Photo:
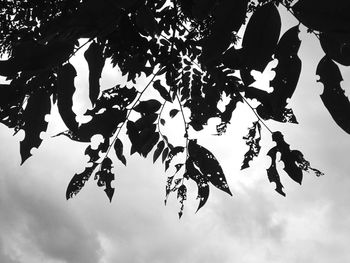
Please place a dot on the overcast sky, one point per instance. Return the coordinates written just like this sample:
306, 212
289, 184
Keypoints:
311, 224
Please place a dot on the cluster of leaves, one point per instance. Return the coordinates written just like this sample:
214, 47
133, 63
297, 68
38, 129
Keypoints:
194, 57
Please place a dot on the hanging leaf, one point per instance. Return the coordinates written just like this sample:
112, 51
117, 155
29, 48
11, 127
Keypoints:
165, 154
162, 90
336, 46
273, 105
118, 148
202, 182
208, 165
253, 141
65, 91
105, 177
294, 163
78, 181
272, 173
182, 196
38, 106
261, 36
323, 15
94, 58
333, 96
158, 151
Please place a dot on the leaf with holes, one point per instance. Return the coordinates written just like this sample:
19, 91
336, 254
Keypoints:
78, 181
94, 58
208, 165
253, 141
333, 96
105, 177
202, 182
272, 173
38, 106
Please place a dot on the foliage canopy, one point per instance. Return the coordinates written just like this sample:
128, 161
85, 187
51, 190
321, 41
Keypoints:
193, 52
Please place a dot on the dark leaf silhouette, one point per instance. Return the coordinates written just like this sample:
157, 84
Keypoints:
173, 113
323, 15
65, 91
273, 105
253, 141
118, 148
208, 165
294, 163
333, 96
38, 106
260, 39
96, 61
182, 196
336, 46
78, 181
272, 173
147, 107
162, 90
202, 182
105, 177
158, 150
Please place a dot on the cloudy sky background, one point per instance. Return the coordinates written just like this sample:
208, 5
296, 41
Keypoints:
311, 224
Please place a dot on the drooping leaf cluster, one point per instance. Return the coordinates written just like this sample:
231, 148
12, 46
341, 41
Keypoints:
193, 55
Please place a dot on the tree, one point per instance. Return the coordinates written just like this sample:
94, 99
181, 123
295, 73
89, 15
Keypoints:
192, 53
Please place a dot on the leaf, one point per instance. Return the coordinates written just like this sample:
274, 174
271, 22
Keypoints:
173, 113
96, 61
165, 154
261, 36
65, 91
158, 151
336, 46
78, 181
208, 165
162, 90
147, 107
182, 195
323, 15
333, 96
288, 68
118, 148
202, 182
105, 177
273, 105
38, 106
253, 141
272, 173
288, 158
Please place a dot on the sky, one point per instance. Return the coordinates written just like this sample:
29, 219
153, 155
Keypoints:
311, 224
